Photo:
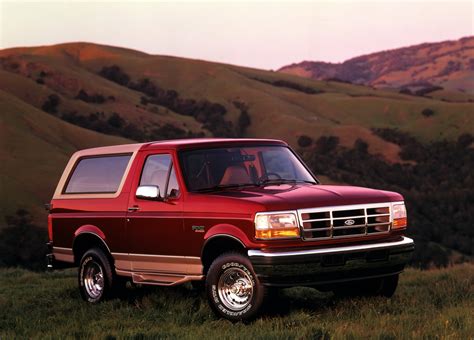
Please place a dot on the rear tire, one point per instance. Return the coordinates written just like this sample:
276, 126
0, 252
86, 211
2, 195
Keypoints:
96, 276
233, 289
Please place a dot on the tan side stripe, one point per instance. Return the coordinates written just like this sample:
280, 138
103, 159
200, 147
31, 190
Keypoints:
189, 265
63, 254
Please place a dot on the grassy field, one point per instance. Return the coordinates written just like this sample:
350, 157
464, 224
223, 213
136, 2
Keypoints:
429, 304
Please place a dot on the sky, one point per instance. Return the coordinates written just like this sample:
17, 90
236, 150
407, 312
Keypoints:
265, 34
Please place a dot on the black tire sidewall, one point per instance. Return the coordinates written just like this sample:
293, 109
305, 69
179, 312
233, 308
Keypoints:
96, 255
390, 285
385, 286
221, 264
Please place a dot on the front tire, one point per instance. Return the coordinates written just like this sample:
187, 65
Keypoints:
233, 289
95, 276
385, 286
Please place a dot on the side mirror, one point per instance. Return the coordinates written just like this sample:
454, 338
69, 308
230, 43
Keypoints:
148, 192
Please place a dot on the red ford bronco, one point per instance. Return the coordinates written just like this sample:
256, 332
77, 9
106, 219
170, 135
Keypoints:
242, 215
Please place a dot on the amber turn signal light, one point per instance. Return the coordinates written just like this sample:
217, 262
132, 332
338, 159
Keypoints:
276, 225
400, 223
276, 233
399, 214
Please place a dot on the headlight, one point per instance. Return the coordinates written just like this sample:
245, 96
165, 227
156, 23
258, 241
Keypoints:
276, 225
399, 216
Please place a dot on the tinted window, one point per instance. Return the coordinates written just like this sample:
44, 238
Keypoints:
247, 165
97, 175
173, 188
155, 172
277, 162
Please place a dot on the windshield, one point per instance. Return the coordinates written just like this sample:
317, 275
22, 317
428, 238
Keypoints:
210, 169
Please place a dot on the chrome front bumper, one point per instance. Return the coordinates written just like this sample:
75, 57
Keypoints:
331, 264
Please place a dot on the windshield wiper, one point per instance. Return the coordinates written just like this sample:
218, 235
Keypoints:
282, 181
221, 187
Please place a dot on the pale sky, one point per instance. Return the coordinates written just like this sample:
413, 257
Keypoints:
265, 34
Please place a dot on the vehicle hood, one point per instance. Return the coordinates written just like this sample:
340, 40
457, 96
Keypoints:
300, 196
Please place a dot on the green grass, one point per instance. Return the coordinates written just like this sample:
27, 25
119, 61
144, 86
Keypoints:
429, 304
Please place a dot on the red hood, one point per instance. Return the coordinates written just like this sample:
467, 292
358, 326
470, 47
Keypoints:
291, 197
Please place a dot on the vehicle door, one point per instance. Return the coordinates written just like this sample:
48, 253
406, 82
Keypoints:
155, 225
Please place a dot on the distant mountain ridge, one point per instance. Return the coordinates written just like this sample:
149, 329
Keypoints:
448, 64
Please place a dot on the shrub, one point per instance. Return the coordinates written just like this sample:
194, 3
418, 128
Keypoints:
22, 243
361, 146
144, 100
95, 98
51, 103
116, 121
326, 144
338, 80
305, 141
145, 86
244, 120
428, 89
168, 131
427, 112
290, 85
243, 123
114, 73
465, 140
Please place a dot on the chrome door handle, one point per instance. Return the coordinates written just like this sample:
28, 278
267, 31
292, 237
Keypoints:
133, 208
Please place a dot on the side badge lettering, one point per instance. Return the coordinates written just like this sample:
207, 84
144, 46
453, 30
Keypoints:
198, 228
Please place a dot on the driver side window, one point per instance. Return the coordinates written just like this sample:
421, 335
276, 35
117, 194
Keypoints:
158, 170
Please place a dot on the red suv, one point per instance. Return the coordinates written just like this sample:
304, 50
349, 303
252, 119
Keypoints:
241, 215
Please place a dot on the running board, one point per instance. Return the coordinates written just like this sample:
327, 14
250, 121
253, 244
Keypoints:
159, 279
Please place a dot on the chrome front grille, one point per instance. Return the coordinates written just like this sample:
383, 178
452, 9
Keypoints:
345, 221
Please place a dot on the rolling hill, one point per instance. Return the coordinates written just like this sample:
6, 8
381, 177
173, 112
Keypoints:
35, 148
121, 93
448, 65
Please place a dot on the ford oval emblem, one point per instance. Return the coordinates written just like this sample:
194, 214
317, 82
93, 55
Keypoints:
349, 222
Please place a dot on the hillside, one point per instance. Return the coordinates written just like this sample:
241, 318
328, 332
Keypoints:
447, 64
57, 99
69, 73
292, 106
427, 304
34, 150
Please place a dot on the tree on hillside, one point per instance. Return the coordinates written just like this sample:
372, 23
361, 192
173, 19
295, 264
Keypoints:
51, 103
114, 73
22, 243
304, 141
427, 112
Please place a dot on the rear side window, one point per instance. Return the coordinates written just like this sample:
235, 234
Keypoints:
97, 175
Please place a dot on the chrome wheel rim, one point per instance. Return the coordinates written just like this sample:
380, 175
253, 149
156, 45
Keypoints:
235, 289
93, 279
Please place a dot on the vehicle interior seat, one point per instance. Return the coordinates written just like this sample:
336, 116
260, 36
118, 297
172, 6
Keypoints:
235, 174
